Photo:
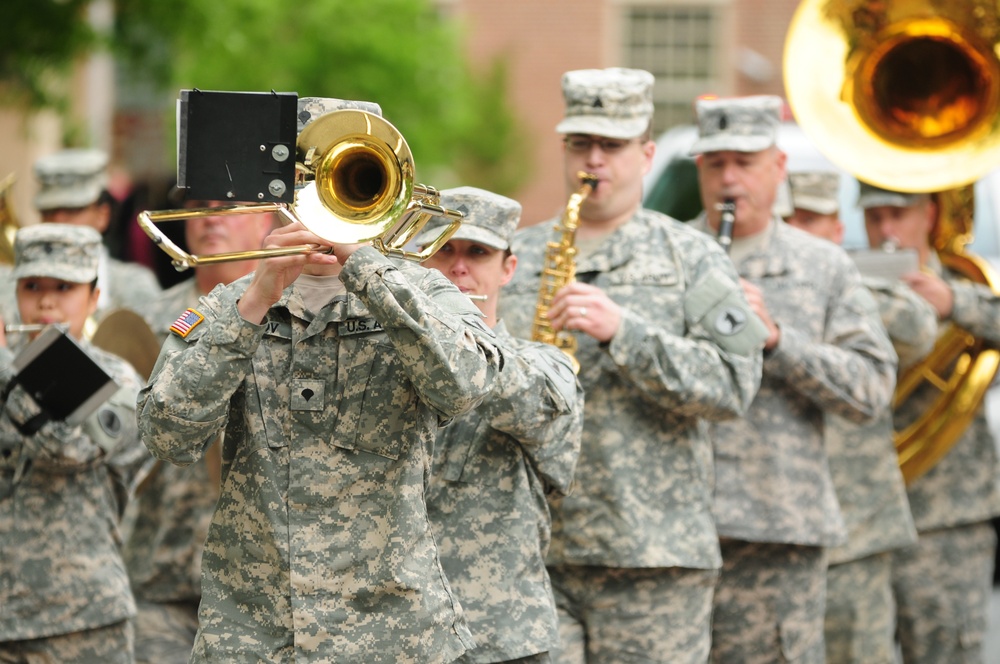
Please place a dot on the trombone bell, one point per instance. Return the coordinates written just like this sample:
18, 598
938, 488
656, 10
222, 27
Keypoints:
354, 185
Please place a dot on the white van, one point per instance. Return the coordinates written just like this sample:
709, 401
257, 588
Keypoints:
671, 187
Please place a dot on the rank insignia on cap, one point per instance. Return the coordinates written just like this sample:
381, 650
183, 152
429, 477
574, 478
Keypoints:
186, 322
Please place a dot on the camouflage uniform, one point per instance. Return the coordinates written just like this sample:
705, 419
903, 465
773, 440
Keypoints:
487, 504
775, 503
641, 510
125, 285
319, 548
942, 583
859, 624
64, 591
170, 519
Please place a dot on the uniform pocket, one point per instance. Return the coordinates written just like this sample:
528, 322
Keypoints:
377, 406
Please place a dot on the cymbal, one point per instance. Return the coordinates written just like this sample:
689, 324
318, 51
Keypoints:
126, 334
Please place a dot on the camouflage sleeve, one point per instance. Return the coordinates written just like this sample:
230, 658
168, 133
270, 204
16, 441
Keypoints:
852, 371
185, 404
710, 367
977, 309
539, 402
909, 319
451, 357
110, 435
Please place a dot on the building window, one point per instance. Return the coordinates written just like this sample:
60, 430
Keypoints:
678, 44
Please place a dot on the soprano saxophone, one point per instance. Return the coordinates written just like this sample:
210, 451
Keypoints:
559, 269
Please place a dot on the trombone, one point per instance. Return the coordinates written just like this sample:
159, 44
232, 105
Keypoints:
353, 184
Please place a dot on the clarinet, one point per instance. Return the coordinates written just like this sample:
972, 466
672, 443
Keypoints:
726, 223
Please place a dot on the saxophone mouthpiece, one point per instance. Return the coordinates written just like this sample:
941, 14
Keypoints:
588, 179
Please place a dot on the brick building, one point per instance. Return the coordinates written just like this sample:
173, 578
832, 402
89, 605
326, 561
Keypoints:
728, 47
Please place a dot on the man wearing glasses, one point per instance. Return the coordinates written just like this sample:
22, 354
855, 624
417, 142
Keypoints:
666, 341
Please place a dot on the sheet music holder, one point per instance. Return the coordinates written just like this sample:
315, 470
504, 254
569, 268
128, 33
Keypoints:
62, 379
888, 265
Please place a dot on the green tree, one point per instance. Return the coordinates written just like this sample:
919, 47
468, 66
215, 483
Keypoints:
42, 39
399, 53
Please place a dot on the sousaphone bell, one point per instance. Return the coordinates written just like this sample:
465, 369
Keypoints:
905, 94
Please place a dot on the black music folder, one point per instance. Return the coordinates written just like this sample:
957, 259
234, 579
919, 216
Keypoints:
62, 379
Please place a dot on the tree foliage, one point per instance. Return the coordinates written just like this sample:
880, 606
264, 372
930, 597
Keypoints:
399, 53
41, 40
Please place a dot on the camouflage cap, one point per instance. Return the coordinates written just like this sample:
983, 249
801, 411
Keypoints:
71, 178
490, 219
615, 102
310, 108
815, 191
743, 124
61, 251
870, 196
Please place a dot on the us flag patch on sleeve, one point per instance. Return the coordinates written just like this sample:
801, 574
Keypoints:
186, 322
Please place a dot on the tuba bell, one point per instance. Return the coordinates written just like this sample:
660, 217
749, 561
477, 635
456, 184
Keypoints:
905, 94
354, 183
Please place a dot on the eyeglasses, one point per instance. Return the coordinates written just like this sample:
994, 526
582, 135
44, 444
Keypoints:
581, 143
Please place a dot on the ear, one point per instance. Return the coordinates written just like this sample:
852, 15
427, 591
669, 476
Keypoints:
648, 151
103, 219
509, 265
95, 295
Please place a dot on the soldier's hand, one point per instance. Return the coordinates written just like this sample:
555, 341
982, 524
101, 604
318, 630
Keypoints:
274, 275
756, 300
934, 289
585, 308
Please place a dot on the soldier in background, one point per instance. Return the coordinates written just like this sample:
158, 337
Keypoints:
665, 343
64, 591
860, 619
942, 583
494, 467
174, 506
73, 191
826, 353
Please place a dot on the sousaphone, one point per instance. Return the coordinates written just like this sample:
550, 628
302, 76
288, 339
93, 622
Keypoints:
905, 94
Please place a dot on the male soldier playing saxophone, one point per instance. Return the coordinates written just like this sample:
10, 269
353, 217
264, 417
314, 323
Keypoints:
664, 344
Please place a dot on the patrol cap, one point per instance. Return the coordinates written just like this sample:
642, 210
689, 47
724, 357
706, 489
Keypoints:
68, 252
310, 108
490, 219
870, 196
72, 178
743, 124
615, 102
815, 191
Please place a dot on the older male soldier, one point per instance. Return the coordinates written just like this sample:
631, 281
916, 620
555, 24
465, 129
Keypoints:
826, 353
942, 583
72, 191
494, 466
665, 342
860, 614
174, 506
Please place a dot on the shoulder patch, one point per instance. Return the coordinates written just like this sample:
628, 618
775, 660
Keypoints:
186, 322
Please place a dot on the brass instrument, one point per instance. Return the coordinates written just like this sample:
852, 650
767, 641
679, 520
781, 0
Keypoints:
8, 221
904, 94
354, 184
559, 269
